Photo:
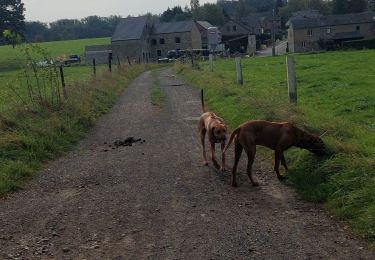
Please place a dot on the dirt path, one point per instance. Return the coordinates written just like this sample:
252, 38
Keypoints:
155, 200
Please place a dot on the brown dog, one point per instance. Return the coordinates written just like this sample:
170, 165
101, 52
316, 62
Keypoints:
277, 136
216, 131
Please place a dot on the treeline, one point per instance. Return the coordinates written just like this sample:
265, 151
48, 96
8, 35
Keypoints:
71, 29
215, 13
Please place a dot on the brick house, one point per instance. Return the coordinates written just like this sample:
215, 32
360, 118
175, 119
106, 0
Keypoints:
312, 32
140, 39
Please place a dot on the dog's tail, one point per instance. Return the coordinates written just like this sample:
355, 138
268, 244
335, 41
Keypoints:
235, 132
202, 100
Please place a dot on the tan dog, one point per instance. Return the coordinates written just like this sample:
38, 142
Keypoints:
277, 136
216, 131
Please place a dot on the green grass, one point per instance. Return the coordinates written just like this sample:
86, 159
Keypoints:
335, 94
33, 133
31, 137
157, 95
12, 60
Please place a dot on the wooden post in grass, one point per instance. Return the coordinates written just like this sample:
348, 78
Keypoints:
192, 59
211, 62
62, 80
118, 63
94, 66
128, 60
239, 70
110, 62
292, 83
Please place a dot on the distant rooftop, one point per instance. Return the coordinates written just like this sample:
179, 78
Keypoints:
130, 28
299, 22
173, 27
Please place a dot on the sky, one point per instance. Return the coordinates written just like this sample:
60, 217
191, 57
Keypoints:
52, 10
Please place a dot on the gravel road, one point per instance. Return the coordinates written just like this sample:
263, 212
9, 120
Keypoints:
154, 199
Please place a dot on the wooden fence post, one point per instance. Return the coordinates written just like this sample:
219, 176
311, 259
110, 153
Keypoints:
128, 60
239, 70
192, 59
118, 62
211, 62
62, 80
94, 66
292, 83
110, 62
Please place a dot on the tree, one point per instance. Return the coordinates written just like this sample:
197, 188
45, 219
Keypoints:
211, 13
348, 6
242, 9
35, 31
278, 5
12, 19
194, 5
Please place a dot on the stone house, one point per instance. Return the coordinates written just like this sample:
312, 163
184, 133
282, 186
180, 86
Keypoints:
141, 40
317, 32
174, 36
203, 29
132, 38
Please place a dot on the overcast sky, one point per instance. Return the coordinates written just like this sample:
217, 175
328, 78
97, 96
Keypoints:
52, 10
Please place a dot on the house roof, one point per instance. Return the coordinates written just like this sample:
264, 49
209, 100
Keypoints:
130, 28
173, 27
204, 24
347, 35
331, 20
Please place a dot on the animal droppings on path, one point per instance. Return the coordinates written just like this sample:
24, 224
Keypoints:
126, 142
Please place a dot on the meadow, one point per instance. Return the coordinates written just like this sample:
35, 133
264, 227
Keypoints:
336, 97
12, 62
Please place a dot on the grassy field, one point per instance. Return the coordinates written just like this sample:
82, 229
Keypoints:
12, 60
336, 95
38, 127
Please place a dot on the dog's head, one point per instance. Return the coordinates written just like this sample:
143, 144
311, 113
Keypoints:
219, 133
313, 143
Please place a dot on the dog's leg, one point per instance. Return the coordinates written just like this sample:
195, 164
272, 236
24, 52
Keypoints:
250, 160
213, 157
203, 137
283, 162
278, 155
222, 157
237, 155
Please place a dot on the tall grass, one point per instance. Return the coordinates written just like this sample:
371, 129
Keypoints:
336, 95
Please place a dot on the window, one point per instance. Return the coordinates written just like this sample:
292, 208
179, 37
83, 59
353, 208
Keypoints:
178, 40
161, 41
358, 27
309, 32
153, 41
159, 53
303, 44
234, 28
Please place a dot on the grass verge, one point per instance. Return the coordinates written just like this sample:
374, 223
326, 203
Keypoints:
30, 137
337, 95
157, 95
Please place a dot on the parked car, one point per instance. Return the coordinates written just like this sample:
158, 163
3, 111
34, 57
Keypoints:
72, 59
